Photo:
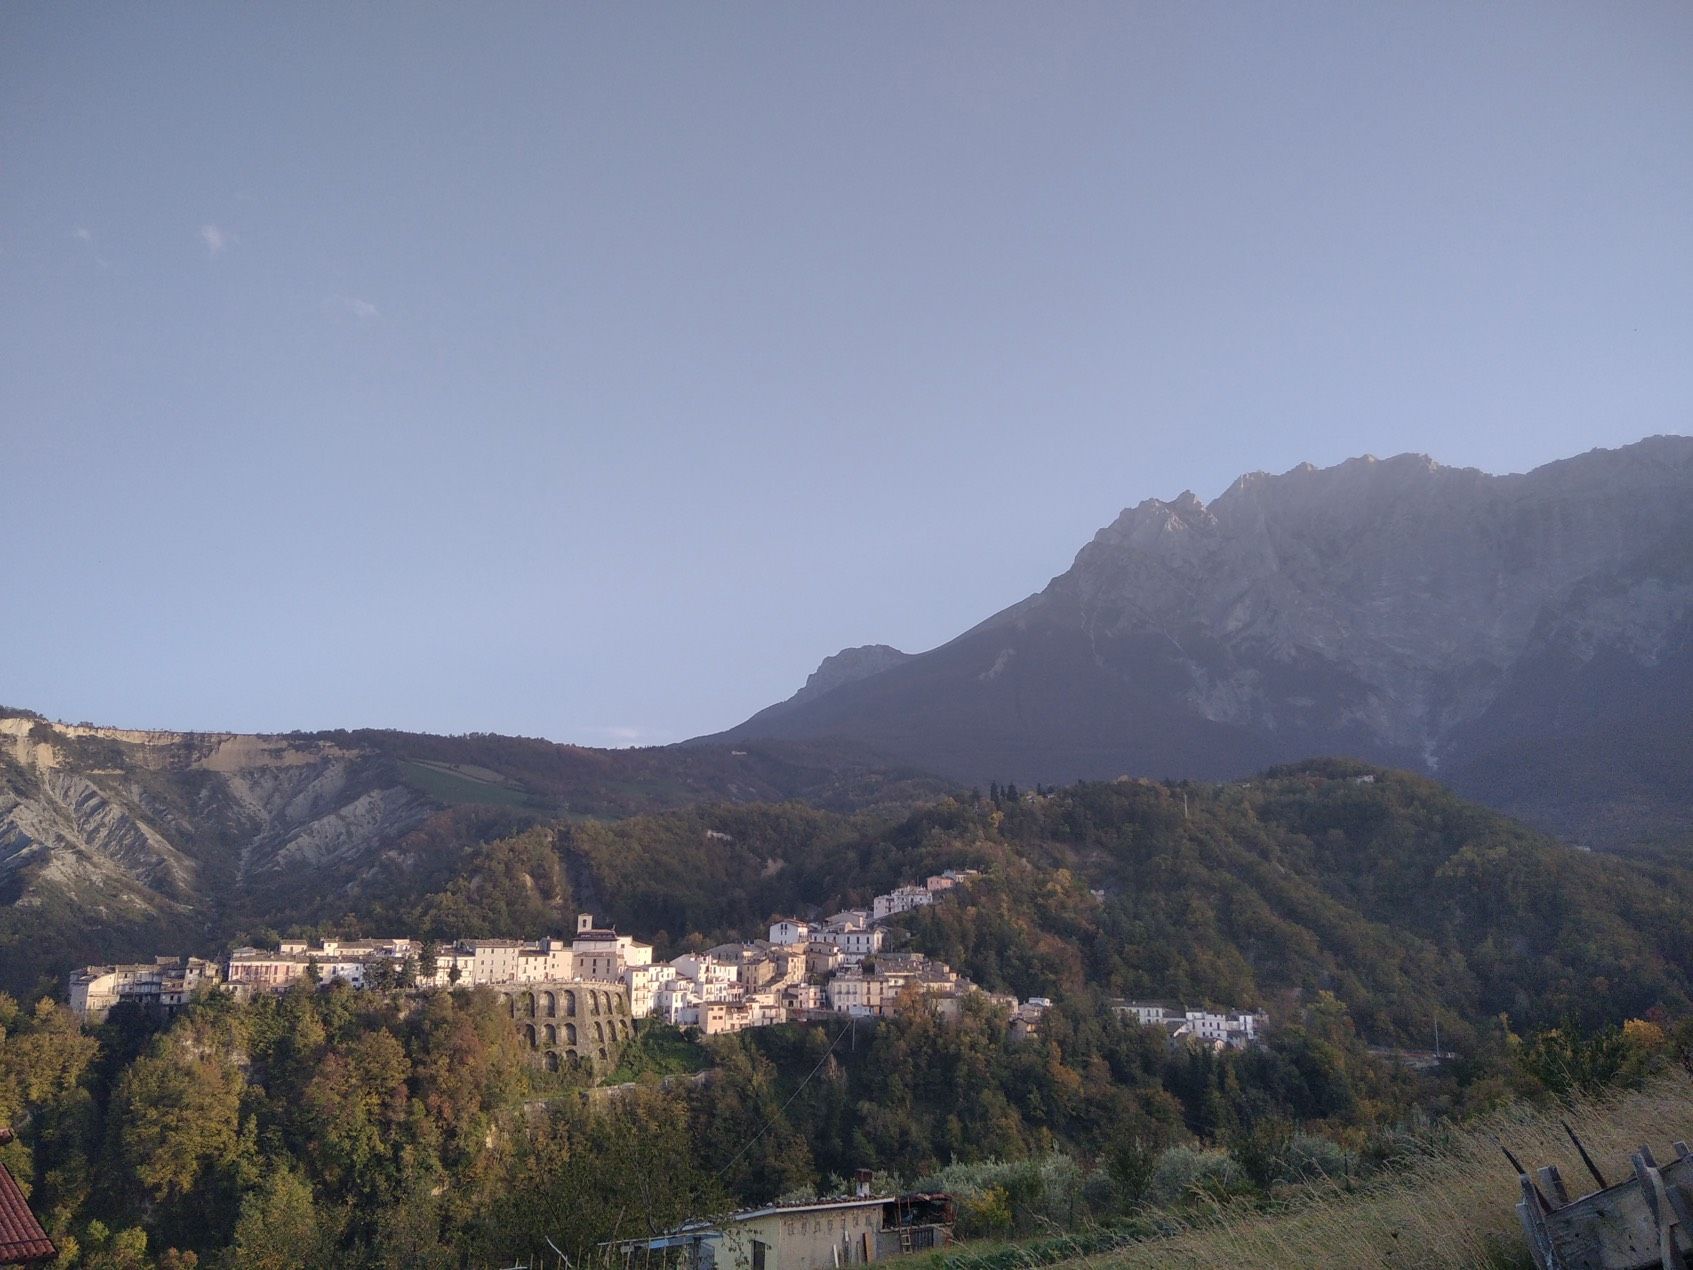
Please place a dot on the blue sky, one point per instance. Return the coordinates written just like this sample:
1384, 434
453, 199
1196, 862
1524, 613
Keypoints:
593, 371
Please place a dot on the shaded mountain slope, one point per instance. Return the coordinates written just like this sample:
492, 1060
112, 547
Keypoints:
1502, 631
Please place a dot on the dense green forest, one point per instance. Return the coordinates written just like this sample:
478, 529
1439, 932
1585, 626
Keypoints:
1356, 906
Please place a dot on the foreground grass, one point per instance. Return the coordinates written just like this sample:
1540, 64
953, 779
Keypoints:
1451, 1206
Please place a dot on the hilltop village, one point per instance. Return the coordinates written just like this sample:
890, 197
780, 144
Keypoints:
574, 1002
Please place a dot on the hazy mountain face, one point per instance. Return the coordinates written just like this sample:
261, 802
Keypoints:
1526, 637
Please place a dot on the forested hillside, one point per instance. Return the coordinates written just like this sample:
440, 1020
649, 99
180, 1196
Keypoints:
1356, 905
1406, 902
1403, 900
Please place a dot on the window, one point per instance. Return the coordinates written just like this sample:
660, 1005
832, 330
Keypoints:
758, 1254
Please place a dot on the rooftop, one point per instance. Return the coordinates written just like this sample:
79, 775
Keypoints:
21, 1238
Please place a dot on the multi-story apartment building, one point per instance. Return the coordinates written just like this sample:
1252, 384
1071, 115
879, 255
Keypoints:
601, 953
704, 969
855, 942
165, 983
856, 993
644, 983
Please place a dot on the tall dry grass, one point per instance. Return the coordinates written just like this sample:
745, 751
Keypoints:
1455, 1206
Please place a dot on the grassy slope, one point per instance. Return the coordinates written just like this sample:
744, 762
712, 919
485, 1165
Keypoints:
1455, 1207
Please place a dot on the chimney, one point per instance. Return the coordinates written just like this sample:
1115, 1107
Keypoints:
861, 1187
584, 921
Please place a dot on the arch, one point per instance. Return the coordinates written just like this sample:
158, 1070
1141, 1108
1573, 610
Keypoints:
550, 1032
569, 1004
529, 1004
511, 1005
617, 1004
570, 1034
575, 1061
529, 1035
593, 1001
549, 1003
602, 1055
551, 1060
599, 1031
625, 1027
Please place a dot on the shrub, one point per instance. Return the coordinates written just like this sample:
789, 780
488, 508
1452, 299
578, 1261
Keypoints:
1038, 1194
1185, 1173
1310, 1159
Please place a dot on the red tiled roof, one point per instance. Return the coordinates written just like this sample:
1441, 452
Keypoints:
21, 1237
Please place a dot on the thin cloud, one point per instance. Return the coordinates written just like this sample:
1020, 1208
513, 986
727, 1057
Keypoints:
355, 307
217, 240
620, 736
83, 234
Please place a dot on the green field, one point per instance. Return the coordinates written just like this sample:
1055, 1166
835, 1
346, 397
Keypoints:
454, 787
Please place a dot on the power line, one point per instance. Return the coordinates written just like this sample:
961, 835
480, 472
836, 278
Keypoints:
768, 1123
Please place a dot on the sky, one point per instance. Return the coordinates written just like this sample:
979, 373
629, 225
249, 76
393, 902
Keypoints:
593, 371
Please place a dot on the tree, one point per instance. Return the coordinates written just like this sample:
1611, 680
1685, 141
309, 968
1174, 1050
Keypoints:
280, 1227
176, 1119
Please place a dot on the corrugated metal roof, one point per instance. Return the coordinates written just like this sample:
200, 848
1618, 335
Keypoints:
21, 1238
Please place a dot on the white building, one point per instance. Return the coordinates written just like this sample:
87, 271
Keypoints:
1235, 1029
855, 942
765, 1009
790, 930
704, 969
644, 983
673, 999
546, 959
804, 996
902, 899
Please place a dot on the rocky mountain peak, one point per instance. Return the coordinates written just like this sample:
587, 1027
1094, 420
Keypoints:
1393, 608
848, 666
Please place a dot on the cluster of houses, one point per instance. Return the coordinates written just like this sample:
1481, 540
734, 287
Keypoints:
1229, 1029
574, 1001
748, 980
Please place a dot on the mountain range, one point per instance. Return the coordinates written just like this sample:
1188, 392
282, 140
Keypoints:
1528, 639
